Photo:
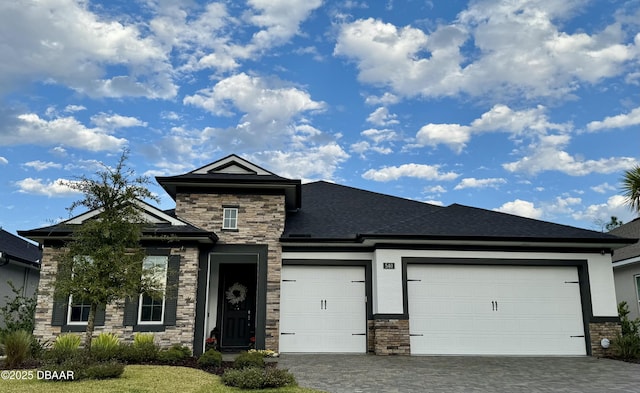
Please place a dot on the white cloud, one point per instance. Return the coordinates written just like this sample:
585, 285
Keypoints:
520, 208
562, 205
65, 42
603, 188
3, 161
318, 162
66, 131
614, 206
435, 189
548, 155
41, 165
419, 171
112, 122
74, 108
280, 19
382, 117
434, 202
630, 119
385, 99
471, 182
453, 135
55, 188
505, 39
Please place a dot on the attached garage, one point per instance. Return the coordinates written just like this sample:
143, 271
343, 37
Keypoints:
495, 310
323, 309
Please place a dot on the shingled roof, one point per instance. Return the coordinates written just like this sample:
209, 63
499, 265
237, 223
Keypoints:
18, 249
628, 230
332, 211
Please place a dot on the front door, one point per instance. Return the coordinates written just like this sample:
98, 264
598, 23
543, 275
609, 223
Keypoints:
237, 305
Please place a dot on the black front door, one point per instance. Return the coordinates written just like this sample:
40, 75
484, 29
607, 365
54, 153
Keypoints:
238, 305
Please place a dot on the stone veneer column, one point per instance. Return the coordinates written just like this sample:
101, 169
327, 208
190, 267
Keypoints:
260, 222
600, 330
391, 337
43, 330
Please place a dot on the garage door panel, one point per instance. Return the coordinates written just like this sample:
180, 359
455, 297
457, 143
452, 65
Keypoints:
322, 309
461, 309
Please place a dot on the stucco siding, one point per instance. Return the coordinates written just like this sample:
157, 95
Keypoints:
626, 288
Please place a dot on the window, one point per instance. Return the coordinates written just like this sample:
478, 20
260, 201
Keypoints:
230, 218
151, 305
78, 312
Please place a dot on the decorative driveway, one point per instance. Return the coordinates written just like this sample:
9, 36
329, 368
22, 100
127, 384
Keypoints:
369, 373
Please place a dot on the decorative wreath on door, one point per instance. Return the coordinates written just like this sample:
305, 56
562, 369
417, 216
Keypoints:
236, 293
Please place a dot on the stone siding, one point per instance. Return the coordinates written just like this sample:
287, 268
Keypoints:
181, 333
391, 337
260, 222
600, 330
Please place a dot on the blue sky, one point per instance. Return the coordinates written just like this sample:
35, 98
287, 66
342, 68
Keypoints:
526, 107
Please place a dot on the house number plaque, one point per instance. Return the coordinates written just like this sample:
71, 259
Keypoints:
388, 265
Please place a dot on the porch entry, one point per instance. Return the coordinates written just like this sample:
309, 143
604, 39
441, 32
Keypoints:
237, 305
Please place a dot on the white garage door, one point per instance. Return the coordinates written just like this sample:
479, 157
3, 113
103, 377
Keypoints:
495, 310
323, 309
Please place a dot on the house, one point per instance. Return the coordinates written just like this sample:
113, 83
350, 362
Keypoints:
253, 258
20, 264
626, 268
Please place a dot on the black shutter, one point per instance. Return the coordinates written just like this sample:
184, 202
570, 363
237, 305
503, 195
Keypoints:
171, 299
59, 315
100, 315
130, 311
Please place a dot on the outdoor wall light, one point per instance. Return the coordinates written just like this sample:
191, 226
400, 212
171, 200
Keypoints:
605, 343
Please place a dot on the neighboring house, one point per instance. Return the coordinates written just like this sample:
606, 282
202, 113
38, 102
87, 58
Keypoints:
20, 264
626, 268
257, 259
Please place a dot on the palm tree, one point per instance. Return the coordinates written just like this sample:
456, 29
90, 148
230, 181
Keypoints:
631, 188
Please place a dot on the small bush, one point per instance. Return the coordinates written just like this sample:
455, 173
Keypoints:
138, 353
257, 378
17, 346
105, 347
176, 354
249, 359
143, 339
210, 358
104, 370
275, 378
248, 378
67, 341
626, 347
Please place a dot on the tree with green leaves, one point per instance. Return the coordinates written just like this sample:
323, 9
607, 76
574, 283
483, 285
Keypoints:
103, 261
631, 188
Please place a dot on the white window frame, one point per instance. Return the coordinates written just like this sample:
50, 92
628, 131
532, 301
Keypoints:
229, 222
162, 278
69, 309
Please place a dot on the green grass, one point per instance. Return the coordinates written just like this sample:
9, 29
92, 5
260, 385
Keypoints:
141, 379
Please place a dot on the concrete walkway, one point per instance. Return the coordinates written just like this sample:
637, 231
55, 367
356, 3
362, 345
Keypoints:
369, 373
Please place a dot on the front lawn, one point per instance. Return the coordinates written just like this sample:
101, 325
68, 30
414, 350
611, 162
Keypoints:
141, 379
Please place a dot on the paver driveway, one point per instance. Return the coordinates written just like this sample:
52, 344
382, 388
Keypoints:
369, 373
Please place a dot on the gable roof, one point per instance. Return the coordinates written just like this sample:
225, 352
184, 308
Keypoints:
18, 249
233, 173
157, 223
335, 212
628, 230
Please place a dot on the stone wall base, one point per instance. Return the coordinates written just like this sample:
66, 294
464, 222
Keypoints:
600, 330
390, 336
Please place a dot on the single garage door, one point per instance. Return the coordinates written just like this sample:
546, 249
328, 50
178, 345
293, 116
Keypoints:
495, 310
323, 309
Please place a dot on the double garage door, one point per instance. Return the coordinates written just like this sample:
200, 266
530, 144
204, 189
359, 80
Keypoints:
323, 309
495, 310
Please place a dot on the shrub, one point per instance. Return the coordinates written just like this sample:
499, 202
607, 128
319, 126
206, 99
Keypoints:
249, 359
248, 378
275, 378
105, 347
257, 378
175, 354
143, 339
626, 347
18, 312
104, 370
65, 346
138, 353
83, 365
67, 341
17, 346
210, 358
